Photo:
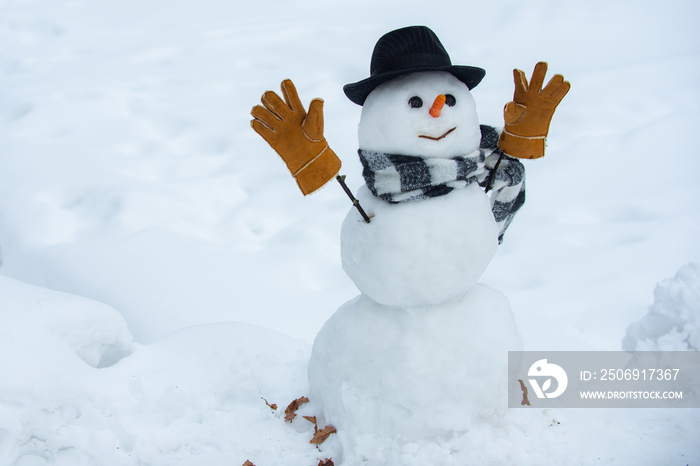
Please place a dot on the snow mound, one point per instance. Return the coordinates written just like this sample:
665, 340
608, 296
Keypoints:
76, 391
55, 323
673, 321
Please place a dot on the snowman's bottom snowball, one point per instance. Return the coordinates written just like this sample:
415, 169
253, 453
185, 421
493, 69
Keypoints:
420, 252
414, 374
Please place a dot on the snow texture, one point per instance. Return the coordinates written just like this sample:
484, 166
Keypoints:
193, 397
673, 321
129, 176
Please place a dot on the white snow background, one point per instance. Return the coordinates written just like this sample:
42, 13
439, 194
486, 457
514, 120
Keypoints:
193, 276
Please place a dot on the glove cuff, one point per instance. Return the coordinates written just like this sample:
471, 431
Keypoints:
318, 171
522, 147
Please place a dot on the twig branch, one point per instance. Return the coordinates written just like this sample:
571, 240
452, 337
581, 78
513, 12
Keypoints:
492, 175
355, 202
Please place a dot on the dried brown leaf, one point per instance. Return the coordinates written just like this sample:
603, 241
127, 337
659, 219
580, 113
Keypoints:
322, 435
312, 420
525, 401
326, 462
248, 463
273, 406
291, 411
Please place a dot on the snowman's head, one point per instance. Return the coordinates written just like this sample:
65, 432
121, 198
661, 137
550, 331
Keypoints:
402, 116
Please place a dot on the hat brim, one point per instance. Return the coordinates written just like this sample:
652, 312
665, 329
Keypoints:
358, 92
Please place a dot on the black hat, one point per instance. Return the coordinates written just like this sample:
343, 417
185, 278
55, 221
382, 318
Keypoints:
414, 48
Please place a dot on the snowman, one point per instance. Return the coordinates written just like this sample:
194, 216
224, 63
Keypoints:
421, 354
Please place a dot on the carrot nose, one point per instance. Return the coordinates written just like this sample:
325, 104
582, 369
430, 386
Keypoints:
437, 106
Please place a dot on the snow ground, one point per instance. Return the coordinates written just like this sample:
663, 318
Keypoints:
129, 176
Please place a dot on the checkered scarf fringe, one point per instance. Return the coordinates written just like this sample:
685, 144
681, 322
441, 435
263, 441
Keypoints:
398, 178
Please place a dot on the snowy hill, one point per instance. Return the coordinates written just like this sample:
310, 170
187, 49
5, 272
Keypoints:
191, 277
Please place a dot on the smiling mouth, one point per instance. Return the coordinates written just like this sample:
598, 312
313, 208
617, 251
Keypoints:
439, 137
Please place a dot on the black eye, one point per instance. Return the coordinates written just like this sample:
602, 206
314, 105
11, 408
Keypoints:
415, 102
450, 100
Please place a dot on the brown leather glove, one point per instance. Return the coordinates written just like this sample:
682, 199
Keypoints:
296, 136
528, 116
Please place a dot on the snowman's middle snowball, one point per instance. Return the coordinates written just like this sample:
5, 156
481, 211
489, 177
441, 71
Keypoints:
419, 253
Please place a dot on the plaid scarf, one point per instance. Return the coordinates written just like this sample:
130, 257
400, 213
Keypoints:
398, 178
